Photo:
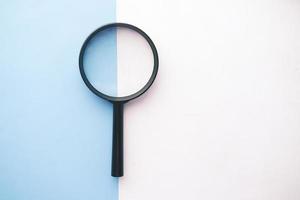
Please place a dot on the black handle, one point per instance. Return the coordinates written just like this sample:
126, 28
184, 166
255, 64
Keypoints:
117, 145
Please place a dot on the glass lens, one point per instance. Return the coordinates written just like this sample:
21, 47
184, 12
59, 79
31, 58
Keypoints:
118, 62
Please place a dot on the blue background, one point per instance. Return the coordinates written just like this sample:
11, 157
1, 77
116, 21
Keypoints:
55, 135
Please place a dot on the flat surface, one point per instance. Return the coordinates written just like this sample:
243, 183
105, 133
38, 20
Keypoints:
55, 135
220, 122
222, 119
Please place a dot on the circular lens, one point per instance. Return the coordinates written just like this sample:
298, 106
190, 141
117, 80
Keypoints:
118, 61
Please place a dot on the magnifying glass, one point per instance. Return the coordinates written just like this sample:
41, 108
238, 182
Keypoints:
118, 62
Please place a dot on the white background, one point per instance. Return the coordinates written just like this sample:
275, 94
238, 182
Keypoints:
222, 119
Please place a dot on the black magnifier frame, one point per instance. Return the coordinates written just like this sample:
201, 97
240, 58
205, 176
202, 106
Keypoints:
117, 169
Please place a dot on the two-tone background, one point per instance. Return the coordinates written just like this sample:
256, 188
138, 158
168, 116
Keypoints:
220, 122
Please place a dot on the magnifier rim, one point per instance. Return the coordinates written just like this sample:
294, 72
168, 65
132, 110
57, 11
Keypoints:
128, 97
